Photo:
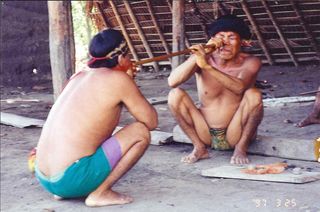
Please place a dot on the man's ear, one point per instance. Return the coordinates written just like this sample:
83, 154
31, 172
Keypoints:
120, 59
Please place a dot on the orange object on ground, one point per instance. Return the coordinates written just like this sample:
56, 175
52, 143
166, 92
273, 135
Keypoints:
317, 149
274, 168
32, 159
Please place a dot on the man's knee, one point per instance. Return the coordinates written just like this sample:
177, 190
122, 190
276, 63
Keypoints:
253, 96
175, 96
142, 132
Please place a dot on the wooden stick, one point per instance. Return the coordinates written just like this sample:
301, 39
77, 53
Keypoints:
163, 57
310, 92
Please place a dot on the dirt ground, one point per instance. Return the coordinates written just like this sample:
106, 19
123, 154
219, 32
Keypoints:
159, 182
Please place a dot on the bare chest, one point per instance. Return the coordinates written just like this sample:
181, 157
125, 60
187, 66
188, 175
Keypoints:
206, 81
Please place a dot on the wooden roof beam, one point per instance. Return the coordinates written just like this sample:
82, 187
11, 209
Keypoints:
169, 4
222, 7
141, 34
305, 27
256, 31
124, 31
157, 26
202, 20
283, 39
104, 18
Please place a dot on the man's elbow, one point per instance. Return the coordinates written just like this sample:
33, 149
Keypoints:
153, 123
172, 83
240, 89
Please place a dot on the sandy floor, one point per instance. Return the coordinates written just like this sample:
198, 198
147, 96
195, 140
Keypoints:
159, 181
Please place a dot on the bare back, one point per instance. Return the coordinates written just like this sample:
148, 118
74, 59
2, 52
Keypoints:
84, 115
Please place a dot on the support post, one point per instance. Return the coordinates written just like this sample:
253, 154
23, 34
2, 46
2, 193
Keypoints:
61, 44
178, 33
186, 40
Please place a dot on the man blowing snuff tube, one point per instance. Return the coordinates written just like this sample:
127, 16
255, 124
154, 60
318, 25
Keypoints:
77, 155
230, 107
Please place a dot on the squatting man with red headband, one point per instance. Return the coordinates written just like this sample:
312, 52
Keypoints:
230, 107
77, 155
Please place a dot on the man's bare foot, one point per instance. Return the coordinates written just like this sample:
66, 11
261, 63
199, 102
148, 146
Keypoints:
239, 157
195, 155
109, 197
308, 121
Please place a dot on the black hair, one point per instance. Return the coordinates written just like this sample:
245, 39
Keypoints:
101, 45
232, 23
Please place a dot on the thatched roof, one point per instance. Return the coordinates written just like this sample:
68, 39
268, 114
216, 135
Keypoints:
284, 31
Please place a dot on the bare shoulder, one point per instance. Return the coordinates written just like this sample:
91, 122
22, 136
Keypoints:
251, 62
113, 78
110, 83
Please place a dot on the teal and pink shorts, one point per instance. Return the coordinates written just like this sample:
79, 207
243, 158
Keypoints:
84, 175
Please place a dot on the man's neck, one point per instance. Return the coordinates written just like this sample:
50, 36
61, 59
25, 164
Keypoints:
227, 63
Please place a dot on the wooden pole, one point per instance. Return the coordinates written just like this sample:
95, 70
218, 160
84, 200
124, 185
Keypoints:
310, 92
61, 44
187, 42
283, 39
156, 25
124, 31
256, 31
178, 32
141, 34
87, 23
173, 54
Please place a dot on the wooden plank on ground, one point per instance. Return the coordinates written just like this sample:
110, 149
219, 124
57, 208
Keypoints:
234, 172
273, 102
158, 100
301, 149
180, 136
157, 137
20, 121
10, 101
